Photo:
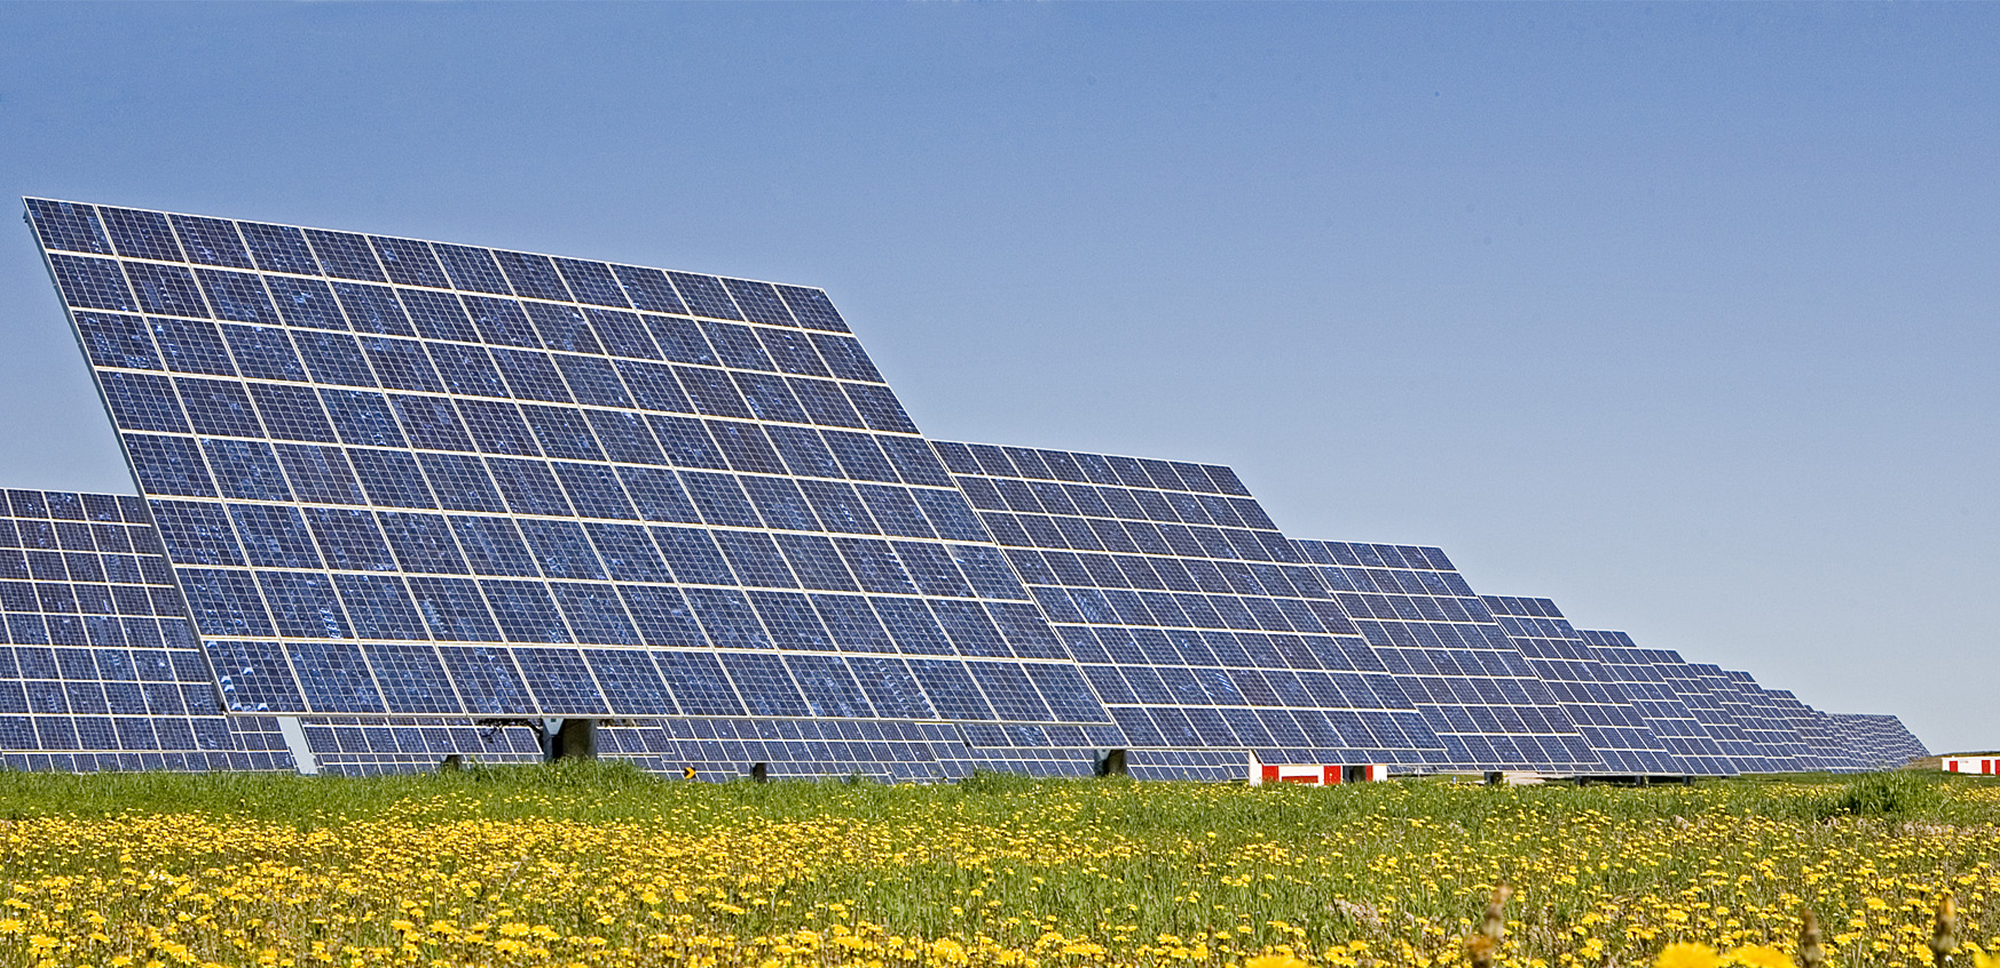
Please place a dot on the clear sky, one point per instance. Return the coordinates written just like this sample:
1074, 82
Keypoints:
1682, 316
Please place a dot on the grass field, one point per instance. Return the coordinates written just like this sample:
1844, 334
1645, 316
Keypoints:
597, 865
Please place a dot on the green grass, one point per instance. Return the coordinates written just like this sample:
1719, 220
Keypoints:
1407, 862
612, 791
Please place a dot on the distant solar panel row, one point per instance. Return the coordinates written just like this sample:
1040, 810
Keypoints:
405, 500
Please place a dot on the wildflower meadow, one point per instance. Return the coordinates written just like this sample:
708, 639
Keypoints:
600, 865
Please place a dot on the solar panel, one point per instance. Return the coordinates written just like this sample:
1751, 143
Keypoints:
1878, 742
1469, 680
1663, 710
1823, 751
1593, 697
1775, 730
1197, 623
98, 667
396, 477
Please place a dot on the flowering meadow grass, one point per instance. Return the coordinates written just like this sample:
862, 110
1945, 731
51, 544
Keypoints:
600, 865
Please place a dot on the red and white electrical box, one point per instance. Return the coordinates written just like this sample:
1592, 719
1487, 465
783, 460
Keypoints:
1315, 774
1980, 763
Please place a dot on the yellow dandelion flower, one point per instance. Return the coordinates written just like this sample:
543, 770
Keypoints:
1275, 961
1760, 956
1683, 954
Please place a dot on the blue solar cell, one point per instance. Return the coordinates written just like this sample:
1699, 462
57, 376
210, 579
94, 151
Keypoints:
461, 482
403, 365
563, 433
726, 615
829, 687
487, 680
452, 609
278, 248
422, 542
191, 346
766, 687
274, 537
119, 341
790, 620
875, 565
237, 296
713, 393
379, 606
218, 407
854, 626
224, 602
246, 469
531, 375
532, 275
894, 510
498, 428
647, 289
560, 681
390, 478
805, 452
680, 340
210, 241
662, 616
630, 682
704, 295
307, 303
69, 226
501, 321
195, 533
1008, 690
143, 402
344, 255
653, 386
932, 567
622, 334
745, 447
528, 486
372, 309
816, 563
595, 613
755, 559
972, 631
334, 677
594, 490
411, 679
471, 268
92, 283
828, 407
561, 549
409, 262
166, 290
812, 309
525, 611
879, 409
698, 683
657, 495
334, 358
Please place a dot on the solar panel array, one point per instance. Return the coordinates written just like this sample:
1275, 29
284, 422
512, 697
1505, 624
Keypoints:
1663, 710
1468, 679
1877, 742
405, 479
98, 668
1199, 625
1586, 689
406, 500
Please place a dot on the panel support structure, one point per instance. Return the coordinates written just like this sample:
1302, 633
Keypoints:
295, 741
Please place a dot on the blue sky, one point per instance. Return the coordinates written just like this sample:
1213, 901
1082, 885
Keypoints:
1683, 316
